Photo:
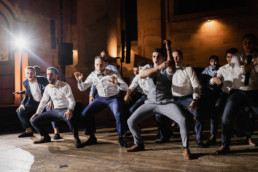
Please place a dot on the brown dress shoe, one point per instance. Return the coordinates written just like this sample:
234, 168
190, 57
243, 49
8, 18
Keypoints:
251, 142
186, 153
223, 150
43, 140
136, 148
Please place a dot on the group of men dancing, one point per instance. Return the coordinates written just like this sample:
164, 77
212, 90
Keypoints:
169, 90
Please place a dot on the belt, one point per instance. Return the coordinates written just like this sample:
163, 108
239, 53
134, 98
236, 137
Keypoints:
183, 97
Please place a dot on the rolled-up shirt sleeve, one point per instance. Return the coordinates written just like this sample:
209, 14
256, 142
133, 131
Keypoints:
69, 97
135, 82
195, 84
86, 84
122, 85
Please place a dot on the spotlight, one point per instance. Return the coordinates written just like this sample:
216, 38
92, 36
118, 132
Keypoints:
21, 43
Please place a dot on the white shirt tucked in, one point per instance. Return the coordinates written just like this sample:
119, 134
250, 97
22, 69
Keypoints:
104, 87
35, 91
185, 83
239, 75
61, 95
142, 82
225, 73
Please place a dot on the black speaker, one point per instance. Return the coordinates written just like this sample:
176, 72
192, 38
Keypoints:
65, 54
128, 51
123, 45
52, 34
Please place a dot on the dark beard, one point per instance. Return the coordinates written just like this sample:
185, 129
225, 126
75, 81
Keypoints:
52, 81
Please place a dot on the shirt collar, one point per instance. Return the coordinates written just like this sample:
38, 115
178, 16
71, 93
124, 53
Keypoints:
55, 85
181, 67
104, 72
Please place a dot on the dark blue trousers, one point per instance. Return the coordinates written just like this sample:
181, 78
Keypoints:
237, 100
97, 105
216, 112
54, 115
25, 114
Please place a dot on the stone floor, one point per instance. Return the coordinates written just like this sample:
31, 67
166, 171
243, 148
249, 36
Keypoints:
22, 155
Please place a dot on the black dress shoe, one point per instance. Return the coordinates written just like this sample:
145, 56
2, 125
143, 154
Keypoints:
163, 140
57, 136
122, 142
25, 134
43, 140
91, 141
200, 144
223, 150
136, 148
78, 143
211, 141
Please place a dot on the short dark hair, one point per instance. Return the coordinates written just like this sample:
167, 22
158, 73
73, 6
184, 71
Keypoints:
250, 35
37, 68
141, 64
180, 53
30, 67
159, 50
214, 57
53, 69
232, 51
99, 57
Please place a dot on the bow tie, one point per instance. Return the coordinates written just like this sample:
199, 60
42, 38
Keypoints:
179, 68
52, 86
100, 74
213, 69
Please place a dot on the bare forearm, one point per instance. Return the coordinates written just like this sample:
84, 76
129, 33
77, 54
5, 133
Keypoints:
169, 54
171, 66
147, 72
128, 92
248, 67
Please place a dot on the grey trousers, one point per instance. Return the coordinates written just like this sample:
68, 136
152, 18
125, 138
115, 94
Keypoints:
145, 111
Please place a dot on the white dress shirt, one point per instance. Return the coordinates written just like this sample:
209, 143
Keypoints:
61, 95
109, 67
185, 83
104, 87
225, 73
35, 91
142, 82
239, 74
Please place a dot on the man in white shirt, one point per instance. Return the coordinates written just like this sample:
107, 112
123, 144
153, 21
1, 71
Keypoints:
107, 83
142, 87
109, 66
34, 88
223, 78
244, 88
160, 100
185, 91
63, 100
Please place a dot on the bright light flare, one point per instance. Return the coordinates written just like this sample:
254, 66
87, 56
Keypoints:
21, 43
